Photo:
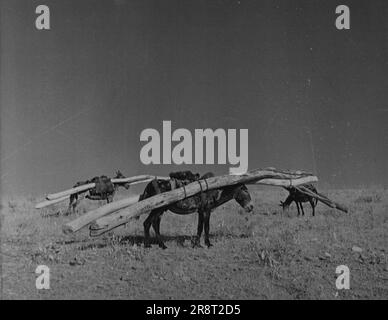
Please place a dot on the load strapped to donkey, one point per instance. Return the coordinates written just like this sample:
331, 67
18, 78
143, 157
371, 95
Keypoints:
112, 215
98, 188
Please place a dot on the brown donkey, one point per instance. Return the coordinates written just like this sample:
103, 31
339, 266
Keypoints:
298, 197
202, 203
104, 190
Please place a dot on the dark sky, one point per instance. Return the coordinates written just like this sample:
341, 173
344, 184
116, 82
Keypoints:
74, 99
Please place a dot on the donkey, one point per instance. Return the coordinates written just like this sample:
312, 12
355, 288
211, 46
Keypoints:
299, 198
202, 203
104, 190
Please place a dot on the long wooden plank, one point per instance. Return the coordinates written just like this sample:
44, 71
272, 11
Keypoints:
90, 216
69, 192
111, 219
137, 179
323, 199
85, 187
46, 203
284, 183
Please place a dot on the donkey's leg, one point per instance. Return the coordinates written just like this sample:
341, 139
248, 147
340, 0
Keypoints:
147, 225
68, 211
197, 238
72, 204
301, 207
312, 203
297, 206
109, 198
75, 203
207, 227
156, 225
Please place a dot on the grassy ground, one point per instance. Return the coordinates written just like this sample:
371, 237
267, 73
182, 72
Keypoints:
265, 255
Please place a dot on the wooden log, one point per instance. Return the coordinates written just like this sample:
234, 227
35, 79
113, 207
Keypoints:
322, 198
85, 187
137, 179
284, 183
125, 180
46, 203
71, 191
89, 217
57, 200
114, 220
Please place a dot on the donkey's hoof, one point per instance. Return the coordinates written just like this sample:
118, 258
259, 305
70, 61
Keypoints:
162, 245
208, 244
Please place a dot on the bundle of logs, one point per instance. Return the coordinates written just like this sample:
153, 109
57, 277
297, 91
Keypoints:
84, 187
112, 215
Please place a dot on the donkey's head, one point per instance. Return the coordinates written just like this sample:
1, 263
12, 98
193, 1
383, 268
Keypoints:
243, 198
283, 205
119, 175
